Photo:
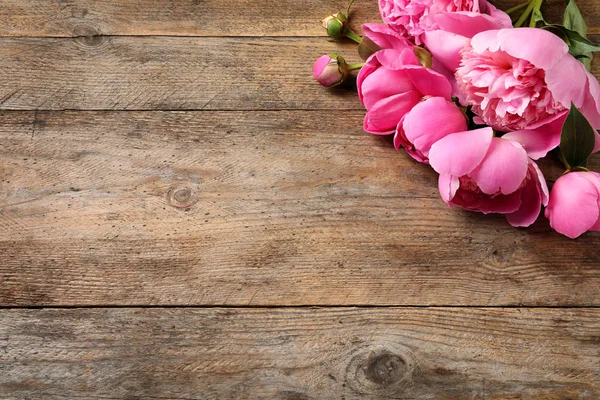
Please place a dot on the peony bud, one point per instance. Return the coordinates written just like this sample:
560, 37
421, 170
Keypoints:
335, 25
330, 70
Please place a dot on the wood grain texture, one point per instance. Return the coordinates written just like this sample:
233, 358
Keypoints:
254, 208
128, 73
300, 354
68, 18
149, 73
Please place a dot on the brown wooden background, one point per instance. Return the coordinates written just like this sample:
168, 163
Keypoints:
186, 214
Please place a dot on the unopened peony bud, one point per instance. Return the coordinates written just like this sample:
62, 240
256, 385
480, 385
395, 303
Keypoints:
330, 70
335, 25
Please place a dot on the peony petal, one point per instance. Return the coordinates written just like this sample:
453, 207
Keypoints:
460, 153
503, 169
448, 186
538, 46
428, 122
531, 205
371, 65
445, 47
571, 90
385, 37
384, 116
467, 24
538, 142
591, 103
573, 206
429, 82
384, 83
502, 204
499, 15
397, 59
541, 183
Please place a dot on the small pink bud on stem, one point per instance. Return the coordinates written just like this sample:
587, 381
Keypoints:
332, 70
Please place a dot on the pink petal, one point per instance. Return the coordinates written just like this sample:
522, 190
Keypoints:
460, 153
428, 122
384, 83
538, 142
383, 117
541, 183
429, 82
448, 185
503, 169
397, 59
568, 90
502, 204
385, 37
467, 24
530, 208
573, 207
371, 65
445, 47
538, 46
591, 102
499, 15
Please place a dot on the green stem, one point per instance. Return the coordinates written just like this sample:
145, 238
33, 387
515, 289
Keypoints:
517, 8
349, 5
525, 14
351, 35
352, 67
536, 8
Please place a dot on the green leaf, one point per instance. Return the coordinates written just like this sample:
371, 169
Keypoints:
578, 44
577, 139
573, 19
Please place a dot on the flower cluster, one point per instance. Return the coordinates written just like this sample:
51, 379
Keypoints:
480, 99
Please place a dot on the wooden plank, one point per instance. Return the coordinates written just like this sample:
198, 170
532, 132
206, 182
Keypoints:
67, 18
295, 354
131, 73
254, 208
140, 73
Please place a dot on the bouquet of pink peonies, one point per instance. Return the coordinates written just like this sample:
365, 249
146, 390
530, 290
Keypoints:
464, 88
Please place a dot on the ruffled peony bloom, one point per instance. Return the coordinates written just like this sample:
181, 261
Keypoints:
574, 205
480, 172
428, 122
412, 18
391, 83
525, 79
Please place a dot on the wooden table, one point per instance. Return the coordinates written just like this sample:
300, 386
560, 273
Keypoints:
186, 214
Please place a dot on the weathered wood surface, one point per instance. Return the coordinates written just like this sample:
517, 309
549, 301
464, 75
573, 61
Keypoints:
68, 18
168, 73
254, 208
394, 353
129, 73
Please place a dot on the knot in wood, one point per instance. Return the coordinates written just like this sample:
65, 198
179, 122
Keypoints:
379, 370
181, 197
88, 36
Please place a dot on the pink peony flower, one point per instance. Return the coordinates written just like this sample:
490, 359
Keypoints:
574, 205
328, 71
516, 79
412, 18
428, 122
480, 172
391, 83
